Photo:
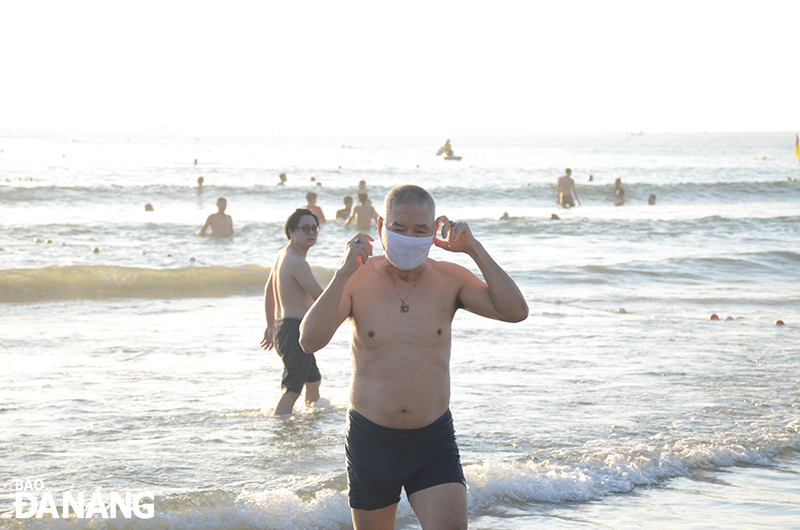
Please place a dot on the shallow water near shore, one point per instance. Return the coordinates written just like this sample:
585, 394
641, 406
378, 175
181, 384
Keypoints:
616, 404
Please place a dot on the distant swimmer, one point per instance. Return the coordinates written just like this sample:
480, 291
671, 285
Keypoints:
362, 186
290, 290
344, 213
651, 199
506, 217
221, 224
565, 188
311, 199
282, 182
148, 207
200, 181
363, 214
619, 192
591, 178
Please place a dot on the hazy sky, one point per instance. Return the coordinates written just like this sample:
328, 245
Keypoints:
401, 67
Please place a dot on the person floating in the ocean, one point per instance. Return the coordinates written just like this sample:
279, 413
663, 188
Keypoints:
619, 192
363, 214
565, 188
651, 199
311, 199
290, 290
282, 178
221, 224
400, 431
344, 213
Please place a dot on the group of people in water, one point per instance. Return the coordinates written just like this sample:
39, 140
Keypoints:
400, 306
220, 224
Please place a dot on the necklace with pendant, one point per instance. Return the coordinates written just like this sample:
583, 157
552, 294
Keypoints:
403, 305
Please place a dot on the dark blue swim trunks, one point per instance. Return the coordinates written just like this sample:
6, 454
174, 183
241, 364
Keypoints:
299, 367
382, 461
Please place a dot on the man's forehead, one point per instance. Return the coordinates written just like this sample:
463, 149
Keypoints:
306, 219
416, 213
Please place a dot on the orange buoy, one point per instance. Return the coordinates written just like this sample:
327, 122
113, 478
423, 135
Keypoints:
714, 316
96, 250
779, 323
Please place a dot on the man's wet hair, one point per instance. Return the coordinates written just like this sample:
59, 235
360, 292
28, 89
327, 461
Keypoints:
362, 197
294, 220
408, 194
311, 195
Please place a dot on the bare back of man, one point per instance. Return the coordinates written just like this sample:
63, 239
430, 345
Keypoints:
565, 188
220, 223
363, 215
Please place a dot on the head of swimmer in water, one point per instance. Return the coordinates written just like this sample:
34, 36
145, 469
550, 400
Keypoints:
222, 204
303, 223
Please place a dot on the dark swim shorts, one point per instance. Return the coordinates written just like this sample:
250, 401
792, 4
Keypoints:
299, 367
382, 461
566, 201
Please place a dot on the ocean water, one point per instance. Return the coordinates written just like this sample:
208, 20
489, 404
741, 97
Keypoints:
616, 404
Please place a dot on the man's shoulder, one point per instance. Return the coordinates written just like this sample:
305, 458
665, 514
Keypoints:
448, 267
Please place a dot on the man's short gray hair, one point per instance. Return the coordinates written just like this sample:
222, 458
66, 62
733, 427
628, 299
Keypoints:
408, 194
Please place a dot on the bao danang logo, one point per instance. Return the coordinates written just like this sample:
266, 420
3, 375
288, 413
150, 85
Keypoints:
33, 501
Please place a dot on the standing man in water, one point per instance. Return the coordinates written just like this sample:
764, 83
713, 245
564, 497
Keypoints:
364, 213
221, 224
400, 431
290, 290
565, 187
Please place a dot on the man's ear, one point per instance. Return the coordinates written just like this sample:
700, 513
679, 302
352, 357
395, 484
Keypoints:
379, 223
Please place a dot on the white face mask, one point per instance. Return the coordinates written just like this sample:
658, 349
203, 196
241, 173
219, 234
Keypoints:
406, 252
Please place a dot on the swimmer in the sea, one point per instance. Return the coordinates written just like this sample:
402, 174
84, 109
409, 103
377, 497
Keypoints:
565, 188
220, 223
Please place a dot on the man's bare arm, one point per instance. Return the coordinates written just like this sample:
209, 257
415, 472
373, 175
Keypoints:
305, 278
269, 310
498, 297
350, 217
333, 306
202, 231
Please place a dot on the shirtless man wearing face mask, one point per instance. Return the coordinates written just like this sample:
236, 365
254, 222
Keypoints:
400, 307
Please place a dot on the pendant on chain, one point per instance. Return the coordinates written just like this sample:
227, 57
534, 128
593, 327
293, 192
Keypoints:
404, 307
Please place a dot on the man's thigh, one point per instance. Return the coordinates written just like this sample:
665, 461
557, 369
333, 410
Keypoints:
442, 507
382, 519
